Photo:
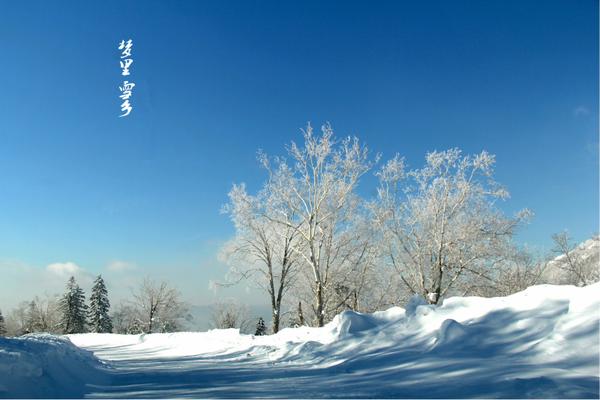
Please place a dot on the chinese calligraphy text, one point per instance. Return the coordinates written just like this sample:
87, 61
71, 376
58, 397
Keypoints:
126, 87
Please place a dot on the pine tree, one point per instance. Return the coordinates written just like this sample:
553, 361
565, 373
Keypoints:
2, 325
261, 329
73, 308
99, 320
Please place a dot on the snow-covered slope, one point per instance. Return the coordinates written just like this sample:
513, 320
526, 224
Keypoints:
542, 342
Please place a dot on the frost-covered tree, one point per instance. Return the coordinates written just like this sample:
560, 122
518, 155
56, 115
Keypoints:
16, 320
440, 223
261, 329
519, 271
314, 195
2, 325
230, 314
73, 309
573, 264
98, 317
37, 315
357, 281
158, 307
261, 250
126, 320
352, 279
32, 321
49, 313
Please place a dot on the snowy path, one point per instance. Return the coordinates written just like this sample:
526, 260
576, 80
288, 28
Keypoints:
413, 375
197, 377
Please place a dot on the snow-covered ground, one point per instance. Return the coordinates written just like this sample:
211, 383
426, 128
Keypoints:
542, 342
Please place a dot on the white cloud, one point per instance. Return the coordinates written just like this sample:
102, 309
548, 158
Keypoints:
57, 273
64, 269
581, 111
119, 266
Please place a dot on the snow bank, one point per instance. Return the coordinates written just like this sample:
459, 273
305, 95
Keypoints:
43, 365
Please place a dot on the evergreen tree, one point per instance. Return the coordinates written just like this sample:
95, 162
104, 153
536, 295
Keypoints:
99, 320
73, 309
261, 329
2, 325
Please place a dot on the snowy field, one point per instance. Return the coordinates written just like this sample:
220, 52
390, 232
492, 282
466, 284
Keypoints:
542, 342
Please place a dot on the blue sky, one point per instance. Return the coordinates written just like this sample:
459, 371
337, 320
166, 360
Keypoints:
215, 81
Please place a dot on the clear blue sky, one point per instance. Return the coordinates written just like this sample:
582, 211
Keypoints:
218, 80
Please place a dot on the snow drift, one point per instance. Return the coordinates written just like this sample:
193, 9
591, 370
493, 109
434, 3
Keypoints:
542, 342
43, 365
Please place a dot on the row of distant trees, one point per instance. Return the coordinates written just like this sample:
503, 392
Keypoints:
154, 307
66, 314
308, 239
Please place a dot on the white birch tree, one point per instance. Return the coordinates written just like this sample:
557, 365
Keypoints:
440, 223
314, 196
158, 307
261, 250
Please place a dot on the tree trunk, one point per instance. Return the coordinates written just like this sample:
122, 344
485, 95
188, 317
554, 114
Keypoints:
319, 300
300, 314
277, 309
433, 295
151, 319
275, 305
275, 319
